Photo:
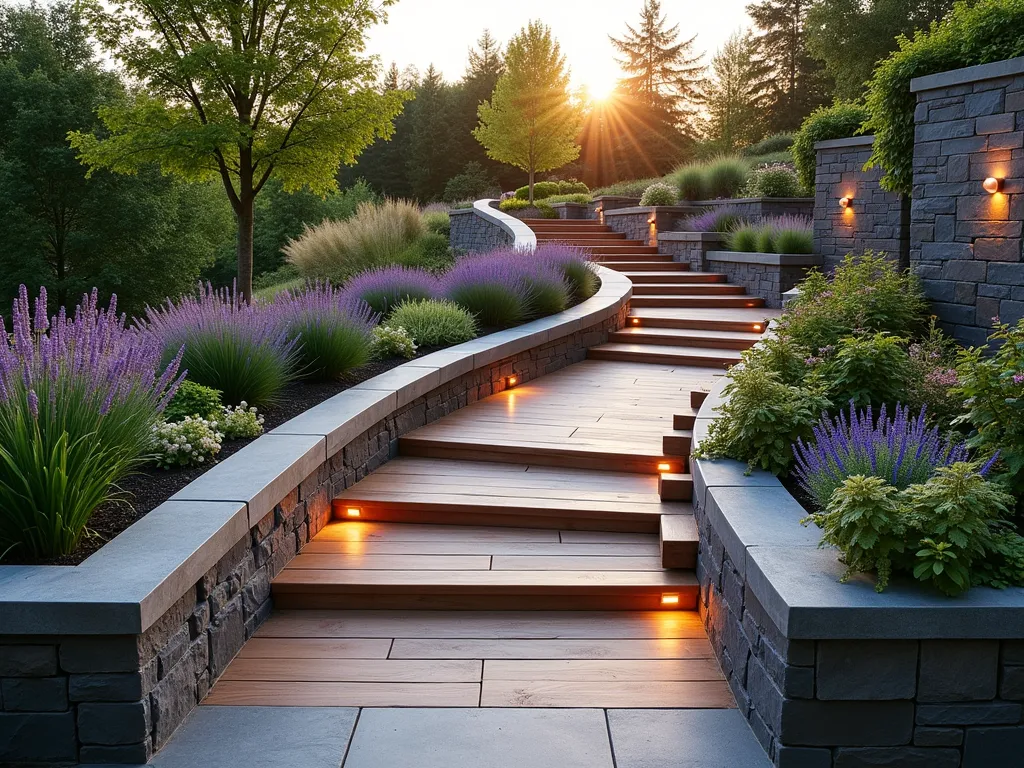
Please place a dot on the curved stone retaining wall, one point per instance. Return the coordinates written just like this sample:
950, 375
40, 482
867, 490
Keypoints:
483, 227
834, 675
101, 662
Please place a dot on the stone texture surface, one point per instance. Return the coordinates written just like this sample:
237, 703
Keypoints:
120, 698
768, 281
876, 218
481, 738
966, 243
691, 247
472, 233
683, 738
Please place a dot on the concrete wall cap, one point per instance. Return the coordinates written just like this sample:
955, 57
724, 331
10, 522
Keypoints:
768, 259
996, 69
852, 141
523, 237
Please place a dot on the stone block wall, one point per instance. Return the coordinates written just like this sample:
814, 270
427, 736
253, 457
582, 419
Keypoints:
118, 698
690, 247
757, 207
966, 243
637, 225
913, 703
473, 233
768, 275
876, 220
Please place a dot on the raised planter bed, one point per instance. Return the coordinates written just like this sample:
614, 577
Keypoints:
833, 675
756, 207
768, 275
690, 247
645, 222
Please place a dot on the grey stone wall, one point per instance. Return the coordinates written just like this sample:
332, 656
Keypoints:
473, 233
768, 275
636, 222
966, 243
690, 247
876, 220
572, 210
757, 207
913, 703
117, 699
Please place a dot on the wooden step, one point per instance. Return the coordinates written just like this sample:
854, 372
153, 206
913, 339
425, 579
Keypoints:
647, 265
493, 494
697, 398
685, 419
300, 588
584, 238
677, 443
639, 333
631, 250
690, 289
743, 320
675, 486
588, 223
697, 301
678, 541
632, 258
705, 357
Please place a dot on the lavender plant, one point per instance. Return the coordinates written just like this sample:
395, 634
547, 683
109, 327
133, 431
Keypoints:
901, 450
244, 350
575, 266
332, 329
721, 218
493, 286
79, 397
384, 289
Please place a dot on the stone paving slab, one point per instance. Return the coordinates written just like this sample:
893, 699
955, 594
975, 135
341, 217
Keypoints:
260, 737
684, 738
480, 738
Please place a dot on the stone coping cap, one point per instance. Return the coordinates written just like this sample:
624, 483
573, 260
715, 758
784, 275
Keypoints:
734, 200
692, 236
768, 259
852, 141
797, 581
1004, 68
133, 580
569, 203
523, 237
599, 198
638, 209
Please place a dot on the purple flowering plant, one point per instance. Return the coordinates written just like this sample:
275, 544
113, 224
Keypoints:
495, 287
721, 218
333, 329
243, 349
79, 398
902, 450
385, 288
575, 265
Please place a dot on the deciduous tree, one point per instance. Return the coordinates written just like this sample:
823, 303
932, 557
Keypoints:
531, 121
242, 90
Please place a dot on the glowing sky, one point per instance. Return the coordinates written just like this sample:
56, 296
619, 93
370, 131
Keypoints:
421, 32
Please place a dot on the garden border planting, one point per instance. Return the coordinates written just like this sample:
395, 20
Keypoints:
832, 674
100, 663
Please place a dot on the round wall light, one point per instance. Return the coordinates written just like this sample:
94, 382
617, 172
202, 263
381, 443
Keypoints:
845, 202
992, 185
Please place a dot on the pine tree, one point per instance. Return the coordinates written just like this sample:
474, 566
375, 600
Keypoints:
736, 94
485, 61
530, 121
429, 163
661, 73
798, 84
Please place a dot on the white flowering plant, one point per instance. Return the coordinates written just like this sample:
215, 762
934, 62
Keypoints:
392, 342
241, 422
186, 443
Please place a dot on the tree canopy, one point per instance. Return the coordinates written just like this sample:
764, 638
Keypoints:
531, 121
736, 94
243, 91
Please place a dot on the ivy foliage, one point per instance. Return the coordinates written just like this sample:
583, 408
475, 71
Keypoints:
971, 34
839, 121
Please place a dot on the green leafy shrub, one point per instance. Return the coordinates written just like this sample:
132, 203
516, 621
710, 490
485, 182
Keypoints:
433, 323
990, 30
431, 252
473, 183
240, 423
933, 380
193, 399
867, 293
572, 187
186, 443
392, 341
544, 210
725, 177
777, 142
541, 189
692, 182
867, 369
777, 180
659, 194
626, 188
839, 121
583, 198
286, 273
438, 222
514, 204
376, 236
992, 385
761, 419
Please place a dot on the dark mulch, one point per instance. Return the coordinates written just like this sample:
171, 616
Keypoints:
145, 491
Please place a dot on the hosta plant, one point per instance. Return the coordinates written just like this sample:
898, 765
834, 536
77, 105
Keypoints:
79, 396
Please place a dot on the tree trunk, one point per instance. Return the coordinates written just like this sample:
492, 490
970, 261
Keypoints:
531, 185
244, 215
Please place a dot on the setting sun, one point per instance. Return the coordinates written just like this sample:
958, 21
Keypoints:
599, 86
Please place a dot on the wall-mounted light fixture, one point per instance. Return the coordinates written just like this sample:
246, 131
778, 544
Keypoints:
600, 213
992, 185
670, 599
511, 381
664, 467
846, 202
353, 512
757, 326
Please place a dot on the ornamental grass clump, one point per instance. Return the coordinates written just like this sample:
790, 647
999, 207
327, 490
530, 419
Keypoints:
79, 397
493, 287
331, 328
901, 450
575, 266
384, 289
244, 350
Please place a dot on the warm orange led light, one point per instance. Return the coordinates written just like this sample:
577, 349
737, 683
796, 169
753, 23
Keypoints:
992, 185
844, 202
636, 321
353, 512
511, 381
670, 599
651, 220
757, 326
664, 466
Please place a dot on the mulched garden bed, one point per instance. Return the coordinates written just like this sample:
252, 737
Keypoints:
151, 487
